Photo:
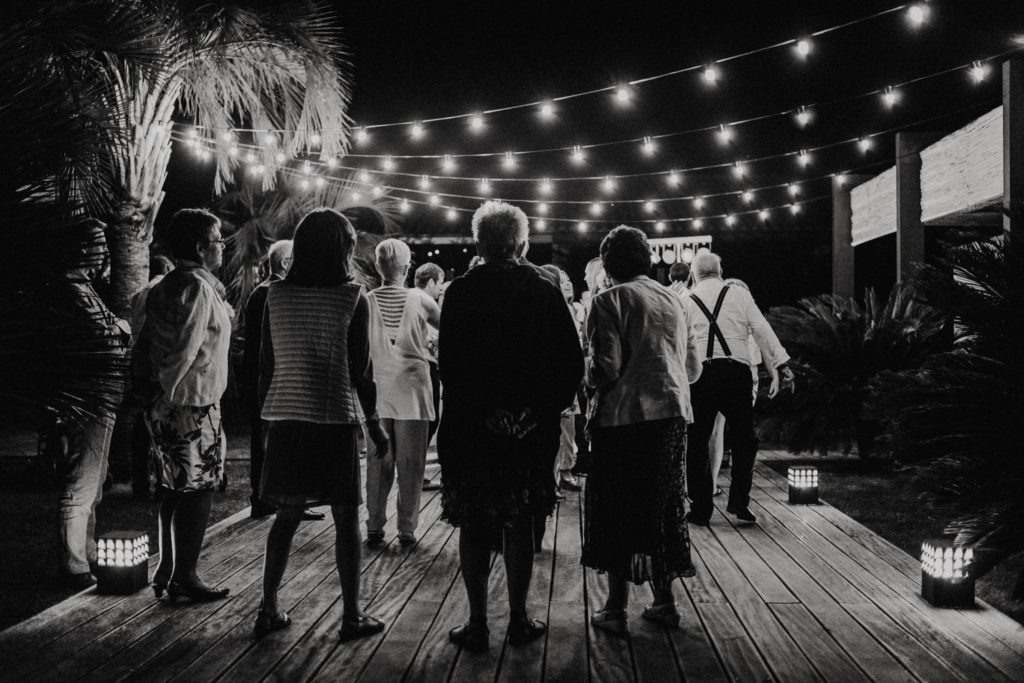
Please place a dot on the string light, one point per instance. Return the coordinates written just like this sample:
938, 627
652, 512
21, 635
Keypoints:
452, 214
608, 185
648, 146
660, 226
917, 14
476, 123
840, 179
333, 163
865, 144
581, 226
596, 208
890, 96
364, 176
542, 208
545, 186
417, 131
979, 72
485, 186
270, 139
748, 196
540, 224
320, 182
698, 223
623, 95
315, 139
803, 158
649, 206
710, 74
673, 178
698, 202
802, 47
724, 134
794, 190
448, 163
362, 135
803, 117
403, 206
794, 208
434, 200
307, 168
739, 169
577, 154
547, 111
509, 161
388, 163
424, 182
763, 214
730, 219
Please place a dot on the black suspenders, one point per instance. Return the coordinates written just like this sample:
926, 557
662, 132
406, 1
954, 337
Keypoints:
714, 332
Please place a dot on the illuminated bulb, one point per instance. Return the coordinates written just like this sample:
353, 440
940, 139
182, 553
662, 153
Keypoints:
227, 137
307, 167
356, 196
739, 169
270, 139
304, 184
362, 135
890, 97
608, 185
250, 157
581, 226
545, 186
332, 162
258, 169
320, 182
748, 196
864, 144
803, 158
648, 146
233, 151
435, 200
730, 219
476, 122
724, 134
404, 206
485, 186
795, 208
448, 164
315, 139
917, 15
577, 154
542, 208
763, 214
452, 214
698, 223
794, 190
840, 179
803, 117
622, 94
698, 202
547, 110
802, 47
673, 178
280, 157
649, 207
424, 182
509, 161
416, 131
388, 163
710, 74
377, 191
364, 176
540, 224
595, 209
193, 133
978, 72
660, 226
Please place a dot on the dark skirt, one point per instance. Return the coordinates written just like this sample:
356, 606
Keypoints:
310, 464
635, 523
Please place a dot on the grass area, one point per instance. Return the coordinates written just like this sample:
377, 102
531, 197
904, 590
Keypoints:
28, 507
876, 496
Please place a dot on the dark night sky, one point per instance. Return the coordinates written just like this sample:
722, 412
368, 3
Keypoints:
422, 60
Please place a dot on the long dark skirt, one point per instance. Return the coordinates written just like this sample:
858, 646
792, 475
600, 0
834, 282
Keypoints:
309, 464
635, 522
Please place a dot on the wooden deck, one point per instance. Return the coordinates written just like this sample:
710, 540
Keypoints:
806, 594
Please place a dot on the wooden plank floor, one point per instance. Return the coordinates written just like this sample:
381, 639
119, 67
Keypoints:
806, 594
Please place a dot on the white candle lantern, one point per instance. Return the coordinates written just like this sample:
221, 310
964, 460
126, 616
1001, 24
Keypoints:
946, 573
803, 484
123, 561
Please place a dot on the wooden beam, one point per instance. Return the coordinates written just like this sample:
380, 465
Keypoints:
1013, 153
909, 230
984, 219
842, 226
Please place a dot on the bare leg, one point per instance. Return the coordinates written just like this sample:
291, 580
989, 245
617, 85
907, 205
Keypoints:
716, 445
475, 561
275, 558
166, 514
347, 554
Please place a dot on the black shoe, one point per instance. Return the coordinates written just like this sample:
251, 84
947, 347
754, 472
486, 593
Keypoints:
374, 539
699, 520
200, 593
311, 516
429, 485
742, 514
522, 630
469, 636
78, 582
261, 509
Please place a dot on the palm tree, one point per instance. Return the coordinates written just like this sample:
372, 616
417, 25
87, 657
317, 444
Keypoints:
282, 69
953, 419
838, 347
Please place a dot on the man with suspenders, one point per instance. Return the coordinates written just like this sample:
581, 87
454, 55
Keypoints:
721, 318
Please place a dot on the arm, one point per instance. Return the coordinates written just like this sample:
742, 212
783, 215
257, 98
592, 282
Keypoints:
265, 369
694, 361
360, 369
433, 311
196, 303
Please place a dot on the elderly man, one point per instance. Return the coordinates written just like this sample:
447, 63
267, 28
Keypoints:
722, 317
279, 258
430, 277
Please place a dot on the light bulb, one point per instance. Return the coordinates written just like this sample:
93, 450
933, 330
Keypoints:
582, 226
803, 117
660, 226
739, 169
545, 186
803, 158
979, 72
748, 196
476, 122
315, 139
435, 200
698, 202
649, 206
648, 146
865, 144
547, 110
795, 208
270, 139
364, 176
377, 191
509, 161
710, 74
448, 163
917, 14
280, 157
840, 179
698, 222
424, 182
890, 97
672, 178
332, 162
320, 182
763, 214
452, 214
542, 208
307, 167
540, 224
802, 47
362, 135
417, 131
485, 186
794, 190
730, 219
404, 206
388, 163
596, 209
233, 151
724, 134
608, 185
227, 136
577, 154
623, 95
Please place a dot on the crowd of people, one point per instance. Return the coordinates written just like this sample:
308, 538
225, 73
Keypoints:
494, 361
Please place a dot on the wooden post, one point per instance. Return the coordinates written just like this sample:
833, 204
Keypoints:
842, 238
1013, 154
909, 231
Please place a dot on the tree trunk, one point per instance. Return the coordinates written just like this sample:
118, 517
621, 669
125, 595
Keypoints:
129, 234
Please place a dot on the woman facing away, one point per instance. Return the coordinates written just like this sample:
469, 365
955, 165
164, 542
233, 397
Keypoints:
315, 375
640, 362
400, 323
510, 361
181, 362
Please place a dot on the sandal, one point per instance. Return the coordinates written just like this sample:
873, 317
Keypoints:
470, 636
523, 629
610, 620
718, 492
267, 622
360, 627
665, 614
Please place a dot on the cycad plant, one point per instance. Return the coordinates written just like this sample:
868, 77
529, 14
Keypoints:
838, 346
954, 418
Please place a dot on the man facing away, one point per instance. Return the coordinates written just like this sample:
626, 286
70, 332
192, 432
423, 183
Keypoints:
679, 275
429, 277
721, 318
279, 258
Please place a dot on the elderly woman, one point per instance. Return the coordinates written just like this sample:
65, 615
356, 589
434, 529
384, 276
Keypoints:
400, 329
510, 362
315, 374
640, 363
182, 355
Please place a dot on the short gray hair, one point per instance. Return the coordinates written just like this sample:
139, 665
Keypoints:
392, 255
277, 253
427, 272
499, 229
706, 264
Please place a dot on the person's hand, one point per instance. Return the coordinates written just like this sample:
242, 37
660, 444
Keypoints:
773, 388
380, 439
788, 379
500, 421
523, 424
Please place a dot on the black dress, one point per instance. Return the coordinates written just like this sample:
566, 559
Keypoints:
506, 341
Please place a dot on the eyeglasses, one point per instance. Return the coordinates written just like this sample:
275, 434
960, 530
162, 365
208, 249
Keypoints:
215, 241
